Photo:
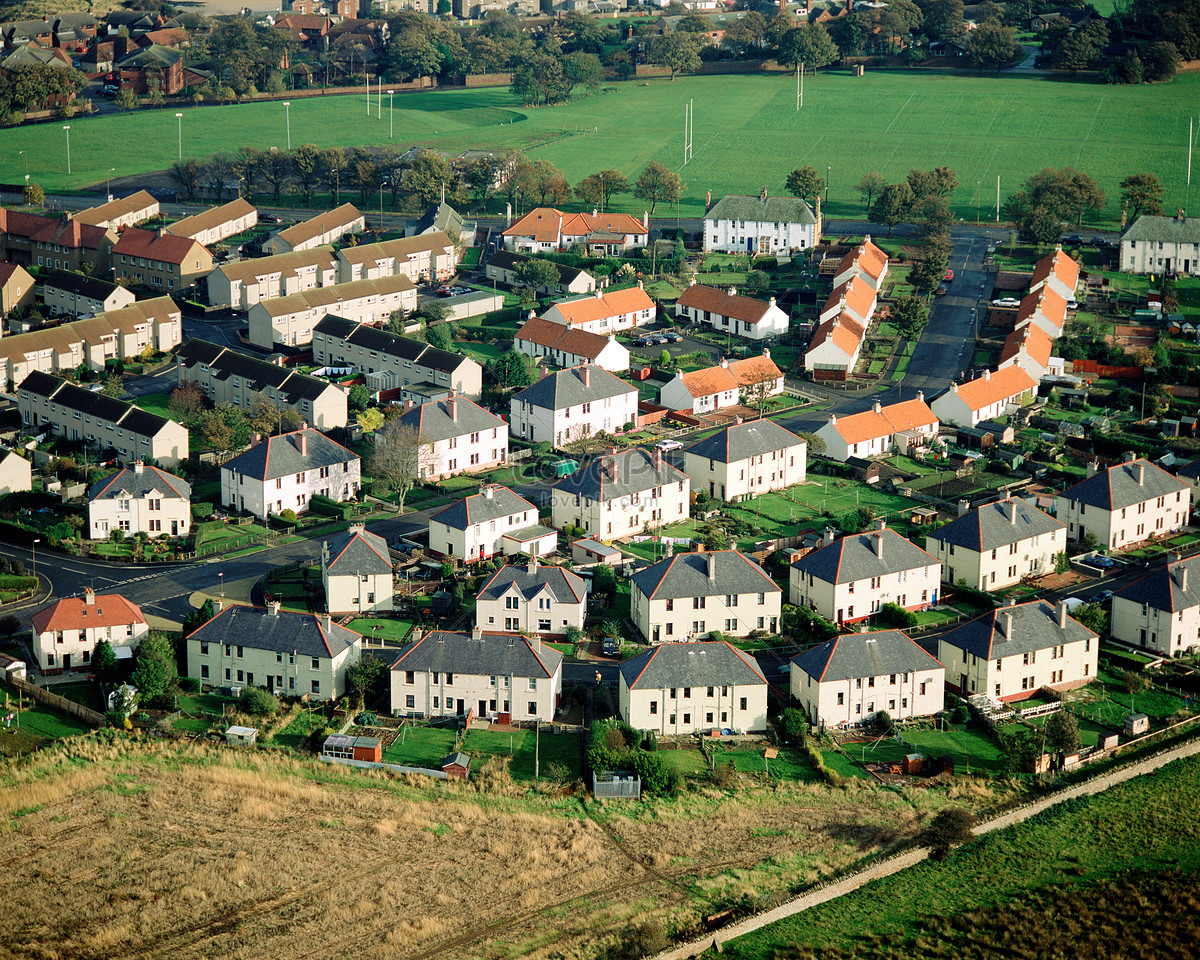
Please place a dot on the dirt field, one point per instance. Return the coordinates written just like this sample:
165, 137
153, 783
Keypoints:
155, 851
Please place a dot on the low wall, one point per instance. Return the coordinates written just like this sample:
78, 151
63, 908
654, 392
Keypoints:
486, 80
372, 765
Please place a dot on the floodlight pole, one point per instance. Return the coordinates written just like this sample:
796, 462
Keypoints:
67, 128
179, 120
391, 113
287, 109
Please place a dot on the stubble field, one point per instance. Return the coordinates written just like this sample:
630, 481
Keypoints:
155, 851
747, 133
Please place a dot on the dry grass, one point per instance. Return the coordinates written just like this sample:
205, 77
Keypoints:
152, 850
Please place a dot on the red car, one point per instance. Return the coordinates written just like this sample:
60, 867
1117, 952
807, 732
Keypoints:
948, 276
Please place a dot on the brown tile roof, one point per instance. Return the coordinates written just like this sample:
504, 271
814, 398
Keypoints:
287, 264
122, 206
74, 613
699, 296
561, 336
614, 303
136, 242
1033, 340
345, 214
730, 375
992, 387
885, 421
70, 233
858, 295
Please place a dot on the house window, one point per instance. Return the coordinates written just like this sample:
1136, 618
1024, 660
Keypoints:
653, 707
316, 686
410, 676
841, 699
410, 702
743, 704
316, 664
204, 671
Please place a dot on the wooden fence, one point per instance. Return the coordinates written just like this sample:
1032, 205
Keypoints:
70, 707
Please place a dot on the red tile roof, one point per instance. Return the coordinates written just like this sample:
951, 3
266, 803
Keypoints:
858, 294
885, 421
614, 303
870, 259
1046, 302
730, 376
698, 296
136, 242
993, 387
75, 613
549, 225
1031, 339
562, 336
1058, 263
845, 332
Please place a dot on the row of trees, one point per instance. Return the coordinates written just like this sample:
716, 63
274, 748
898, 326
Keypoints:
23, 89
1053, 198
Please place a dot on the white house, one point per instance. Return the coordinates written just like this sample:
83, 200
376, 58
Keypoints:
454, 436
547, 229
16, 474
356, 572
243, 283
528, 598
984, 398
140, 499
284, 472
1031, 348
1014, 651
866, 261
1160, 613
727, 311
848, 680
747, 459
680, 689
605, 311
1058, 272
855, 297
290, 654
851, 578
761, 225
289, 321
427, 256
994, 546
1155, 244
572, 405
493, 522
1045, 308
690, 596
899, 427
328, 227
219, 223
835, 347
572, 281
622, 494
725, 385
66, 632
1125, 504
508, 677
564, 345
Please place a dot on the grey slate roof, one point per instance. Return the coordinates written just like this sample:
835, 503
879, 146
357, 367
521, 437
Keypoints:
566, 388
1189, 471
691, 665
1034, 627
358, 552
493, 654
996, 525
635, 474
1164, 229
78, 285
508, 260
258, 374
134, 484
1118, 486
283, 632
491, 503
778, 209
406, 348
126, 415
856, 557
687, 575
857, 655
1163, 588
432, 420
440, 216
280, 456
752, 439
564, 586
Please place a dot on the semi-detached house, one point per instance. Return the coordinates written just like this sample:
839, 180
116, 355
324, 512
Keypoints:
328, 227
727, 384
454, 436
563, 345
76, 295
571, 405
528, 598
140, 499
1045, 308
604, 312
1030, 348
243, 283
746, 460
1058, 272
122, 212
728, 311
622, 494
284, 472
289, 321
901, 427
54, 242
429, 256
1125, 504
996, 545
160, 261
1160, 613
219, 223
835, 348
547, 229
66, 632
866, 261
493, 522
761, 225
356, 572
1156, 244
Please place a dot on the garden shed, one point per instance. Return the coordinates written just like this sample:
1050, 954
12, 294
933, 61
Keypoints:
457, 765
247, 736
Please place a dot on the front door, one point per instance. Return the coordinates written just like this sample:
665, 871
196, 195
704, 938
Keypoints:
174, 528
66, 661
482, 708
462, 707
962, 683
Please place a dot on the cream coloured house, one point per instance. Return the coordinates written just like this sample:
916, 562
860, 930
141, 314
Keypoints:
728, 383
994, 546
984, 398
493, 522
454, 436
140, 499
848, 680
289, 321
745, 460
1160, 613
901, 427
622, 494
356, 572
1015, 651
689, 596
16, 474
866, 261
604, 312
243, 283
1058, 272
327, 227
508, 677
571, 405
1125, 504
687, 688
66, 632
219, 223
528, 598
284, 472
851, 578
428, 256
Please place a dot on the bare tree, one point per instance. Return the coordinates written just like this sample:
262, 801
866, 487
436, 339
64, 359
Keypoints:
758, 391
577, 439
400, 458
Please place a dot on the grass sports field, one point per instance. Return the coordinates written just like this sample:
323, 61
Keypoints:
747, 132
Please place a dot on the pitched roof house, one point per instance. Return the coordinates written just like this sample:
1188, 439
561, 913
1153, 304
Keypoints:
848, 680
494, 521
290, 320
724, 385
731, 312
1045, 308
984, 398
687, 688
140, 499
219, 223
77, 295
565, 345
866, 262
604, 312
690, 595
454, 436
243, 283
1156, 244
528, 598
902, 427
1058, 272
502, 265
66, 632
284, 472
328, 227
998, 544
855, 297
762, 224
1160, 613
836, 345
356, 572
1125, 504
621, 494
122, 212
545, 228
746, 459
159, 260
1030, 348
54, 242
571, 405
16, 288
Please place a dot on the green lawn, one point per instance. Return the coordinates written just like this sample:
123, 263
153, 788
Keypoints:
981, 126
421, 747
156, 403
789, 765
395, 630
36, 726
971, 750
295, 735
685, 761
841, 764
85, 692
562, 749
215, 533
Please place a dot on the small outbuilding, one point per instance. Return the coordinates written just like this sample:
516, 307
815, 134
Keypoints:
246, 736
1136, 724
344, 747
457, 765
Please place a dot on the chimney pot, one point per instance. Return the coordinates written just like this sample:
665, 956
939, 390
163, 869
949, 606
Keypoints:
532, 565
1061, 611
274, 608
878, 538
712, 567
476, 633
964, 507
89, 596
139, 466
1092, 468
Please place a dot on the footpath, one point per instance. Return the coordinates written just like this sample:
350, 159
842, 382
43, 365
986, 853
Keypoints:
910, 858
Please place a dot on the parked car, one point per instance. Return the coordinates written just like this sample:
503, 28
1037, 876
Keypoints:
1074, 240
641, 342
1102, 597
268, 218
1102, 242
671, 336
665, 445
1072, 305
1006, 302
611, 647
940, 291
658, 340
110, 90
948, 276
1099, 562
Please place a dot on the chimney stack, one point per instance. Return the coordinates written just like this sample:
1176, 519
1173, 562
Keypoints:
255, 439
273, 607
139, 467
877, 408
612, 469
326, 622
964, 507
1006, 620
408, 404
987, 374
89, 596
1061, 612
488, 491
656, 459
218, 604
1139, 471
762, 193
585, 374
724, 363
878, 538
476, 633
532, 565
712, 568
1182, 577
881, 523
452, 408
1011, 510
302, 442
921, 396
1092, 468
828, 536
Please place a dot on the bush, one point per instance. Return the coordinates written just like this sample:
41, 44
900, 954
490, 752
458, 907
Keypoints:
368, 718
288, 514
202, 511
897, 616
258, 702
883, 721
316, 739
793, 724
961, 714
951, 826
326, 507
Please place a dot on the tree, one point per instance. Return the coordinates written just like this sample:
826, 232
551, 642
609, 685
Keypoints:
258, 702
1062, 562
549, 184
364, 174
909, 316
188, 401
511, 369
805, 183
1160, 61
944, 19
894, 204
306, 164
870, 186
990, 44
365, 673
1062, 732
716, 539
425, 176
186, 175
583, 70
359, 397
939, 182
369, 420
275, 167
434, 311
759, 389
1093, 616
334, 167
598, 189
664, 359
657, 183
439, 337
811, 45
225, 428
113, 387
950, 827
155, 672
399, 458
793, 724
104, 661
33, 195
535, 274
1141, 193
126, 101
678, 52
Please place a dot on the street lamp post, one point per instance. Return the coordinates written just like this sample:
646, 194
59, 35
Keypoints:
179, 120
26, 156
33, 546
827, 169
67, 128
222, 582
391, 113
108, 183
287, 108
977, 190
382, 184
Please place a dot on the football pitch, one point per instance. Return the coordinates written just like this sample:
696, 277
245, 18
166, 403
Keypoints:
747, 133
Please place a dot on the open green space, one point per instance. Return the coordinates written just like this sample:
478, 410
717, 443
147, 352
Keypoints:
1134, 825
377, 627
1107, 701
687, 760
36, 725
158, 403
789, 765
982, 126
295, 735
973, 751
84, 692
842, 765
560, 750
421, 747
217, 534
